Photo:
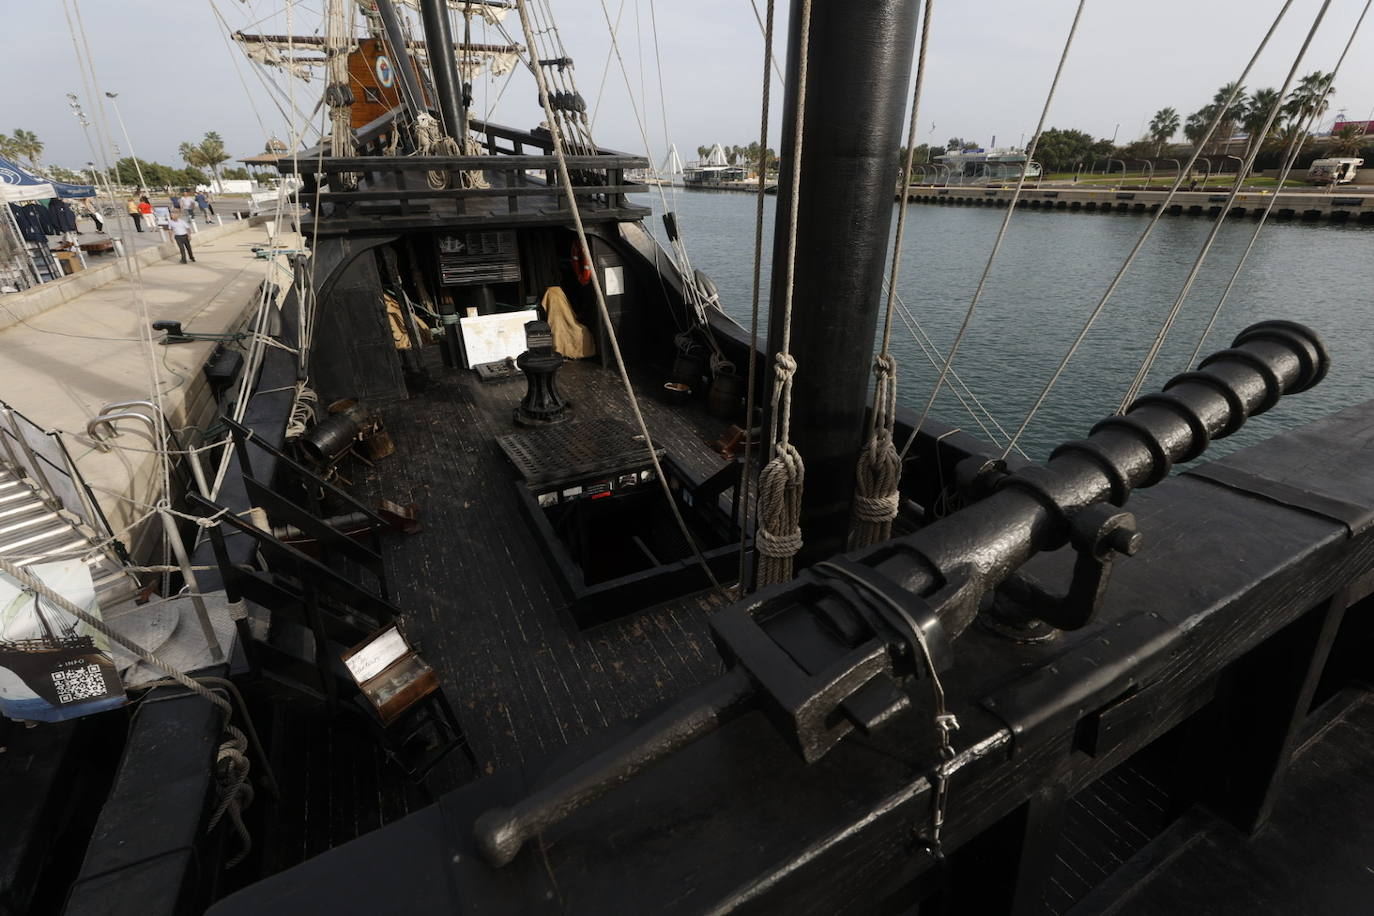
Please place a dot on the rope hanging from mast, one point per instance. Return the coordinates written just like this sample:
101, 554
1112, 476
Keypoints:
779, 535
746, 474
879, 473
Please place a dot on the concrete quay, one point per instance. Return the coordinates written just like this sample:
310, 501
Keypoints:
1336, 207
72, 346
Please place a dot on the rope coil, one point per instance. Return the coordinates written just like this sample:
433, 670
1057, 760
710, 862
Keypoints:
780, 483
880, 467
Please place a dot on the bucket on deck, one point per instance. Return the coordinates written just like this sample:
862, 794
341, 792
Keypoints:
726, 395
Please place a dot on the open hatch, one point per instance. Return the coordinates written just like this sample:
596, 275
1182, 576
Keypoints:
592, 496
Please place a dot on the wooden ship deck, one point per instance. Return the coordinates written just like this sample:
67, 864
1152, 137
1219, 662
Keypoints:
483, 606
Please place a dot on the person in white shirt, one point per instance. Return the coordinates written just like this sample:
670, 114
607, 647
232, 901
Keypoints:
188, 207
181, 231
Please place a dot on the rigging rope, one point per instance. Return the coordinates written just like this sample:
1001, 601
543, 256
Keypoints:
958, 387
879, 474
1133, 390
1144, 235
1290, 158
779, 535
1001, 232
746, 475
575, 211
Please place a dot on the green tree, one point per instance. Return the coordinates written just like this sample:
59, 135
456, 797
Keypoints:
209, 153
1346, 141
25, 144
1232, 114
1311, 98
1163, 127
1257, 110
8, 149
239, 174
1196, 125
1060, 150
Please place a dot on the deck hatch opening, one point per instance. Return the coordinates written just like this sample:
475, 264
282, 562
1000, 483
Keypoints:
603, 523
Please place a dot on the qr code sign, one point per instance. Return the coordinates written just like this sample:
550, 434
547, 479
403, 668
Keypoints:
79, 684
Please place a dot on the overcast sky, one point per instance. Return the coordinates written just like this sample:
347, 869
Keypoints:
990, 65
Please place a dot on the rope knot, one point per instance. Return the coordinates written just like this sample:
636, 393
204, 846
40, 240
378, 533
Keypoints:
876, 509
884, 366
784, 366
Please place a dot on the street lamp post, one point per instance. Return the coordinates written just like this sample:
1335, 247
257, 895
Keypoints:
1178, 168
75, 105
1239, 163
1207, 176
138, 170
1123, 170
1151, 166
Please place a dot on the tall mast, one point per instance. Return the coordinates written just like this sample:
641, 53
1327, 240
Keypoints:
338, 35
439, 39
396, 40
856, 94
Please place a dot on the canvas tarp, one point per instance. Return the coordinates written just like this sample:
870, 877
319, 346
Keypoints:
18, 184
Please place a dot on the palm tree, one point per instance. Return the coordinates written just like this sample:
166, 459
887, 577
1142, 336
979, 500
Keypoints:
26, 143
1311, 98
1232, 114
1196, 125
1164, 125
190, 154
7, 148
213, 154
1257, 111
703, 152
1346, 141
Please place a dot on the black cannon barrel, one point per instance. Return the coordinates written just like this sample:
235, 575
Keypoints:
1031, 510
947, 567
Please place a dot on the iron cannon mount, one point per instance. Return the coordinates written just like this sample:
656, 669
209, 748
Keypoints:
844, 647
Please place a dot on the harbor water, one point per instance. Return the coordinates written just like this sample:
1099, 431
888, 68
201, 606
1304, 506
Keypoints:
1049, 275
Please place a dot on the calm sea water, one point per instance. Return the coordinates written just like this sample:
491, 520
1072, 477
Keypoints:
1050, 273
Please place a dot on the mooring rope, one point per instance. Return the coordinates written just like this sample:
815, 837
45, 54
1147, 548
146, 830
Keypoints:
779, 536
879, 474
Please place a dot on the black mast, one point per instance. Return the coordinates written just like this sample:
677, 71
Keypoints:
400, 53
856, 96
439, 40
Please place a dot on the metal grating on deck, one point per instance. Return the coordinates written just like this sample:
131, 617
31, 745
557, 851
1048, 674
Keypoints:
569, 451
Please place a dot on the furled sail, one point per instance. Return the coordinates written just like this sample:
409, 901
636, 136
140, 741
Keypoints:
286, 53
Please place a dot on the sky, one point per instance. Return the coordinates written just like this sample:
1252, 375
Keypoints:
989, 68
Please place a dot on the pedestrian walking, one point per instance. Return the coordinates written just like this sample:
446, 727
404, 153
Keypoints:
94, 213
188, 207
134, 213
209, 202
181, 231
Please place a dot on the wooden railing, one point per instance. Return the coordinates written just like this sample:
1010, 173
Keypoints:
514, 174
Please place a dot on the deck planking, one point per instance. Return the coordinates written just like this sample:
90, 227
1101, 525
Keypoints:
479, 597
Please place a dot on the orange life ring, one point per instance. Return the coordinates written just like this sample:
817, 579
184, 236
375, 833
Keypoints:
581, 263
